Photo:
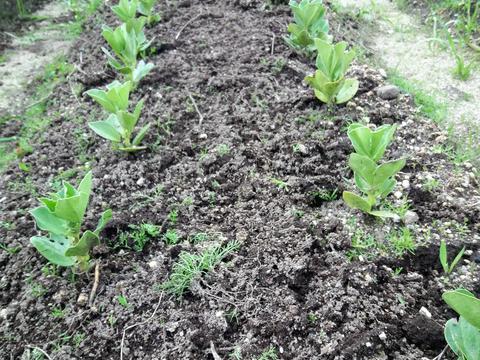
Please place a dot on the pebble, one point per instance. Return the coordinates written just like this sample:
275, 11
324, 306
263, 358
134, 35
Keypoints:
203, 136
388, 92
382, 336
141, 181
406, 184
153, 264
4, 314
410, 217
302, 149
425, 312
82, 299
398, 194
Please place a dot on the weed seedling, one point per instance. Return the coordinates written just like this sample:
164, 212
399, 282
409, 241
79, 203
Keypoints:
171, 237
402, 241
122, 300
191, 266
280, 184
448, 268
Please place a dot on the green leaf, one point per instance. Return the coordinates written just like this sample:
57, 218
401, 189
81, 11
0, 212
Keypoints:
141, 71
465, 304
386, 170
356, 202
364, 167
47, 221
53, 249
347, 91
88, 240
104, 220
141, 134
70, 209
383, 214
463, 338
457, 259
100, 96
106, 130
443, 256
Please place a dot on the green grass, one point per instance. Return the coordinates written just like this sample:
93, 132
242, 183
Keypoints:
427, 103
34, 119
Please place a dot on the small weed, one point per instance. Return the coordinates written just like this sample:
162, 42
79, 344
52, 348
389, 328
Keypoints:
111, 320
312, 318
171, 237
222, 150
236, 354
430, 184
36, 290
122, 300
324, 195
137, 237
269, 354
12, 250
173, 216
78, 339
280, 184
402, 241
190, 266
58, 313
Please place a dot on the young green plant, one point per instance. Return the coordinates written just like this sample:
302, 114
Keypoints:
463, 336
61, 215
310, 24
329, 82
127, 42
146, 7
119, 126
373, 180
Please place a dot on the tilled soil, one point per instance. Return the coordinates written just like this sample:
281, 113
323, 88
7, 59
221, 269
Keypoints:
291, 284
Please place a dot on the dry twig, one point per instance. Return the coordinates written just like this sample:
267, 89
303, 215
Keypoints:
91, 298
138, 324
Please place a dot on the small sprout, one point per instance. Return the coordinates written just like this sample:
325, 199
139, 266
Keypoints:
222, 150
269, 354
78, 339
325, 195
111, 320
232, 316
448, 268
329, 82
236, 354
12, 250
397, 271
312, 318
61, 215
282, 185
198, 238
298, 213
173, 216
137, 237
122, 300
430, 184
58, 312
171, 237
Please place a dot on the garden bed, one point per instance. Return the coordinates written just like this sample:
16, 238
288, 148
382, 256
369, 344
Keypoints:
241, 150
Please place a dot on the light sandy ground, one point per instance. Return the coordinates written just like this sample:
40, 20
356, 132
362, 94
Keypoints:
402, 44
28, 55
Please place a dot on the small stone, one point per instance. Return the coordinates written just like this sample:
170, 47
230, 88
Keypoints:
388, 92
141, 181
4, 314
398, 194
82, 299
406, 184
368, 344
382, 73
153, 264
425, 312
382, 336
203, 136
302, 149
410, 217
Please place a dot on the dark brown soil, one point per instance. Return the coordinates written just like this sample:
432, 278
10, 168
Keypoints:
291, 284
